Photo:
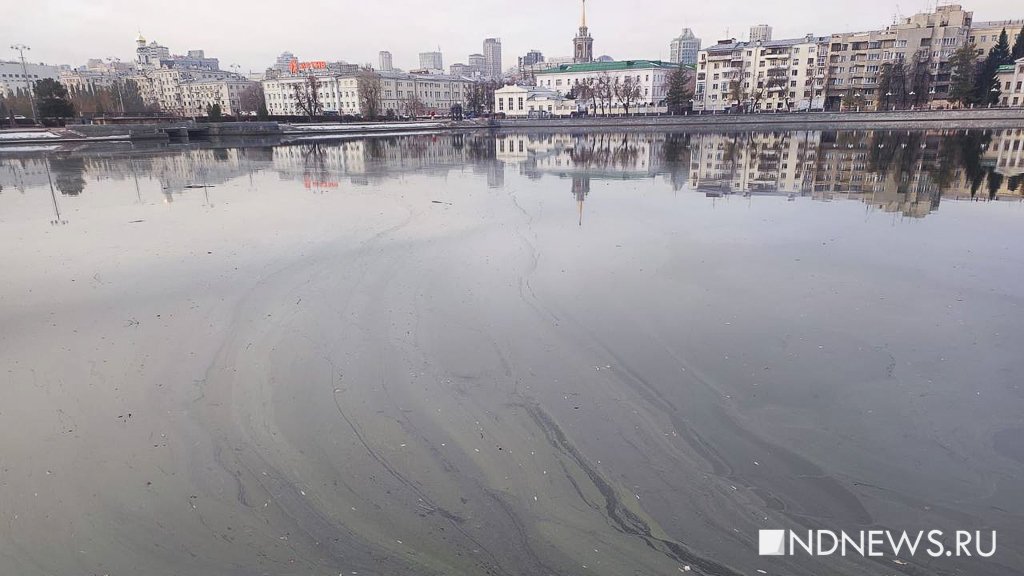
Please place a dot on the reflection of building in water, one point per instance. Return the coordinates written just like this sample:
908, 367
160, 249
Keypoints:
322, 165
22, 173
609, 155
1005, 153
893, 171
759, 162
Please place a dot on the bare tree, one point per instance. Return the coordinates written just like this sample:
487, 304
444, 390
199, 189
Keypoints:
369, 93
252, 98
778, 80
603, 93
412, 106
736, 92
584, 92
627, 92
307, 97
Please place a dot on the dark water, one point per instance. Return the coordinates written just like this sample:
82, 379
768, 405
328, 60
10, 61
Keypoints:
593, 353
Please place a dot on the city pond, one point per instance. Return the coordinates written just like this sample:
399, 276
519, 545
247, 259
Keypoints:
510, 352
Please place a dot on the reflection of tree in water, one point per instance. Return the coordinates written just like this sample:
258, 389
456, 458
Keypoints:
962, 149
605, 151
995, 181
375, 147
675, 155
220, 154
314, 164
896, 154
481, 148
68, 174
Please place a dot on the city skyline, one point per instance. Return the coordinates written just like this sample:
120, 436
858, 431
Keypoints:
358, 33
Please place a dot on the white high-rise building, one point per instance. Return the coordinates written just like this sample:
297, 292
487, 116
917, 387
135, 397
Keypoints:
684, 48
760, 33
13, 79
492, 58
431, 61
385, 61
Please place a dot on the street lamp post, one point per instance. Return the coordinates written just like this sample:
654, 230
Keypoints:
888, 95
994, 92
912, 103
20, 48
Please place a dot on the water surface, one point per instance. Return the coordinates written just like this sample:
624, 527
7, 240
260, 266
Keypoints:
473, 353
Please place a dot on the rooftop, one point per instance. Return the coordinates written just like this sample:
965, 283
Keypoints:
609, 66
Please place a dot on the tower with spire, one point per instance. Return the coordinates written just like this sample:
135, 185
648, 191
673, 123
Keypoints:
583, 44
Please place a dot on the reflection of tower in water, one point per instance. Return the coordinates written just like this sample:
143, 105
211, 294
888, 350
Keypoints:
580, 189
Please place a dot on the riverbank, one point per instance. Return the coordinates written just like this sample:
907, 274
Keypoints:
189, 130
923, 119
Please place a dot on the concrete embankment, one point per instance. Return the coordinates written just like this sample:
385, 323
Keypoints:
188, 130
919, 119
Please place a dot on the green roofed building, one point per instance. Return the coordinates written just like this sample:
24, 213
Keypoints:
649, 78
1010, 78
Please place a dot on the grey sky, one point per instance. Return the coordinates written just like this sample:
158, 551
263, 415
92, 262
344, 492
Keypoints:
252, 34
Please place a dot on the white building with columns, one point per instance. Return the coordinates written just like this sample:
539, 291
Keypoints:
532, 101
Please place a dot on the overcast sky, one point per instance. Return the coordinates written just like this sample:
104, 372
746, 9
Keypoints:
252, 33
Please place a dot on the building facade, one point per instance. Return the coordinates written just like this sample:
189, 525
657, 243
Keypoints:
985, 35
1011, 83
761, 76
650, 76
532, 58
760, 33
199, 96
462, 70
684, 48
532, 102
400, 93
492, 58
928, 39
171, 88
14, 79
385, 61
431, 61
477, 63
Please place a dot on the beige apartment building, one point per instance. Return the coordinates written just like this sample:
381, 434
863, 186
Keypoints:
400, 93
772, 75
985, 35
856, 58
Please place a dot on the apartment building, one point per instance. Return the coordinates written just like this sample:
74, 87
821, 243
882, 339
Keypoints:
855, 59
400, 93
199, 96
169, 88
985, 35
762, 76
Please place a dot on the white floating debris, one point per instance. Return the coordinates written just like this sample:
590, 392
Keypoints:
399, 541
303, 492
761, 572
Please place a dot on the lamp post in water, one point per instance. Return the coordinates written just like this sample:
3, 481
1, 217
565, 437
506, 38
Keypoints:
20, 49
